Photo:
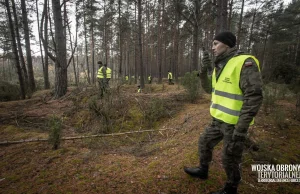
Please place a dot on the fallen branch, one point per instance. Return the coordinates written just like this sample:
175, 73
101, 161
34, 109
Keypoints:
81, 137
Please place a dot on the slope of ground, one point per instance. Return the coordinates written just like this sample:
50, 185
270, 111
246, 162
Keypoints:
149, 162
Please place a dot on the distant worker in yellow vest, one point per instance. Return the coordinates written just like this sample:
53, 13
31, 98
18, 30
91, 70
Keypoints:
149, 79
126, 78
101, 77
108, 75
236, 98
170, 77
139, 85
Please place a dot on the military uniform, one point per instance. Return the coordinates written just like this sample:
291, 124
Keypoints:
233, 134
101, 76
149, 79
170, 77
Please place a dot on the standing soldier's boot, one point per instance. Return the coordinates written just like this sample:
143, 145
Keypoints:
199, 172
228, 189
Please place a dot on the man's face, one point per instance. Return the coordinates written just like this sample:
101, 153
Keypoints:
219, 48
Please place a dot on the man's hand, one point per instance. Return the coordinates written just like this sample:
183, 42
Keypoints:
206, 62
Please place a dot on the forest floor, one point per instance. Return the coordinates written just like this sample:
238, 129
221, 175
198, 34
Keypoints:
146, 162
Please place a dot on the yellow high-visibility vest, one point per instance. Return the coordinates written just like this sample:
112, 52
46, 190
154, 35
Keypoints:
126, 78
100, 74
108, 72
170, 75
227, 97
149, 78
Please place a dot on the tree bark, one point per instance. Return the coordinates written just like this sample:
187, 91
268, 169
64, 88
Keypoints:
176, 40
140, 43
44, 25
240, 25
159, 42
221, 16
15, 51
71, 44
251, 30
230, 15
28, 49
86, 47
61, 76
120, 39
22, 61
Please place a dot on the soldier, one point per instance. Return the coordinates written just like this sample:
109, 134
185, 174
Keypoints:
149, 79
139, 89
108, 76
236, 99
170, 77
101, 76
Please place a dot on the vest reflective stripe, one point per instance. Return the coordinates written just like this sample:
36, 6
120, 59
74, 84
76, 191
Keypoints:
108, 72
226, 110
227, 97
170, 75
100, 74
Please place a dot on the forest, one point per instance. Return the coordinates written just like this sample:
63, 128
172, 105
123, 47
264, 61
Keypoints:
57, 135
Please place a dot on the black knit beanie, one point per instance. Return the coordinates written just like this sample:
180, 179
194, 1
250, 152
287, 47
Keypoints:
227, 38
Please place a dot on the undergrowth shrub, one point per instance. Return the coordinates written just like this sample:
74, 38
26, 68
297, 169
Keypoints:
103, 110
269, 99
9, 91
55, 125
108, 110
154, 111
272, 93
279, 117
191, 83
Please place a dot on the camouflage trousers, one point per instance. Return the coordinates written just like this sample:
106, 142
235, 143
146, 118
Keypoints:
102, 86
232, 150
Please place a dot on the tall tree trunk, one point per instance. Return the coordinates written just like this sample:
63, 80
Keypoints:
240, 25
251, 30
159, 42
195, 48
93, 52
262, 62
45, 43
140, 43
135, 44
297, 47
120, 39
71, 44
23, 65
105, 38
230, 15
146, 45
221, 16
61, 68
15, 51
176, 43
86, 46
3, 69
39, 28
28, 49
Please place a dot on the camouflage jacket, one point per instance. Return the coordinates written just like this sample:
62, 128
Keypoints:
250, 84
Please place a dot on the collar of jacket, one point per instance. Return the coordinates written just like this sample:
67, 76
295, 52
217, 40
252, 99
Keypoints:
227, 55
